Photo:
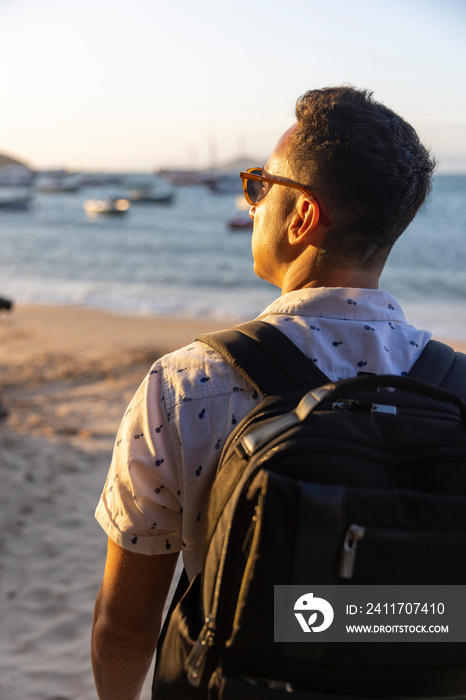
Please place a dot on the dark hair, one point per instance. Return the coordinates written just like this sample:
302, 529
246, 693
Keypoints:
367, 166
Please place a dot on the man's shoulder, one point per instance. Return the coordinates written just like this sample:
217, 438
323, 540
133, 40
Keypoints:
197, 371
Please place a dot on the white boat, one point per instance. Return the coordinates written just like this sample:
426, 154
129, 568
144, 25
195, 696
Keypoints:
15, 201
59, 183
114, 205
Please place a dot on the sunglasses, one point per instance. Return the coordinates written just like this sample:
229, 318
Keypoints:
256, 186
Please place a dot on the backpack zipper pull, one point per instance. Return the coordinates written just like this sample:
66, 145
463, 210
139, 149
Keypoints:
246, 548
196, 659
348, 555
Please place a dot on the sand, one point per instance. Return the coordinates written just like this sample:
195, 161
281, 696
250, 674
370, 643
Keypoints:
66, 376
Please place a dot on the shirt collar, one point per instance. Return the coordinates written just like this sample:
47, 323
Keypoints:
338, 303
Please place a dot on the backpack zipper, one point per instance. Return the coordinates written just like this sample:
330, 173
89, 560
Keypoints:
348, 555
247, 543
387, 535
197, 658
195, 663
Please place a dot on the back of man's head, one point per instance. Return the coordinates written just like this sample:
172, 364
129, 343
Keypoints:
368, 167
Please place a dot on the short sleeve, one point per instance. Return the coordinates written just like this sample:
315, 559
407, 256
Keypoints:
140, 508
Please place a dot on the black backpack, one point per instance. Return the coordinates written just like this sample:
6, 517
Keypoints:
358, 482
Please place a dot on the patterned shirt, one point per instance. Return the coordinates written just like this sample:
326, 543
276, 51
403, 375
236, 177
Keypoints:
176, 425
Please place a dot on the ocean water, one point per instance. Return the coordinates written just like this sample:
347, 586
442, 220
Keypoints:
183, 260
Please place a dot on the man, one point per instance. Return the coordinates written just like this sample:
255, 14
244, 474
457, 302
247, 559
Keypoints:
342, 184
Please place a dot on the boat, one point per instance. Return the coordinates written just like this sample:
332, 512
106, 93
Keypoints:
114, 205
59, 182
241, 221
147, 195
224, 184
15, 202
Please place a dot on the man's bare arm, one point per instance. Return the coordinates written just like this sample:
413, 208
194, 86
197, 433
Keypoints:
127, 620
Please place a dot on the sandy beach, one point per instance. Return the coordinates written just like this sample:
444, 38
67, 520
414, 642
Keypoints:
66, 376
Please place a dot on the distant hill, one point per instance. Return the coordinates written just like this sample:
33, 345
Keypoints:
14, 171
8, 160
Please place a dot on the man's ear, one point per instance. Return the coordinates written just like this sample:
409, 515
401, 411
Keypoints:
304, 221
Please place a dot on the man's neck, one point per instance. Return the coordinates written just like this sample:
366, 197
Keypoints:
339, 277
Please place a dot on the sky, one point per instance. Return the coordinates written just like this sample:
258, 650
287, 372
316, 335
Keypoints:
136, 85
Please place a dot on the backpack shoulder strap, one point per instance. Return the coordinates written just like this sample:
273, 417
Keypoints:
439, 364
266, 358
